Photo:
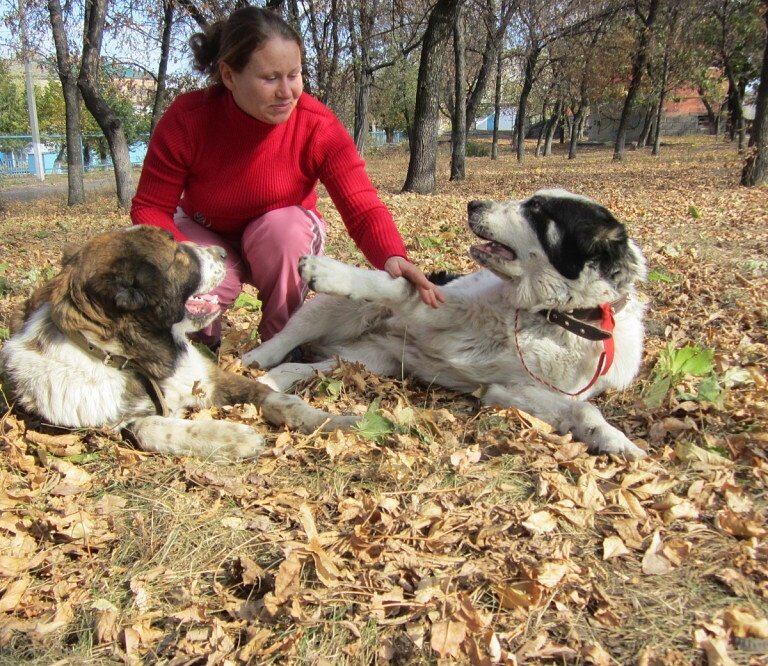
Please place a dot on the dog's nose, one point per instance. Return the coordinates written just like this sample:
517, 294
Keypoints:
475, 207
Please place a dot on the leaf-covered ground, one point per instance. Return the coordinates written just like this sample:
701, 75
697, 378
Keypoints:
446, 532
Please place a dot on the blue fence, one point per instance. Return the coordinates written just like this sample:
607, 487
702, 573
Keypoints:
18, 159
379, 137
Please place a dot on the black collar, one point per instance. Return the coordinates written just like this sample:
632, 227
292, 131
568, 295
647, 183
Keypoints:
123, 363
577, 321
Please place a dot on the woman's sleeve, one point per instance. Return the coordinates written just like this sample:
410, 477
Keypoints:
367, 219
163, 175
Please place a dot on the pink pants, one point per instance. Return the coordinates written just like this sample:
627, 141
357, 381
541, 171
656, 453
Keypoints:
266, 256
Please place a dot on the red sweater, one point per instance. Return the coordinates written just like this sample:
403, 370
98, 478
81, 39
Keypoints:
217, 162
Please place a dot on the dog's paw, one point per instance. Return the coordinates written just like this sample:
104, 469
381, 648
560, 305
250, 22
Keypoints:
611, 440
260, 357
240, 443
290, 410
340, 423
285, 376
324, 275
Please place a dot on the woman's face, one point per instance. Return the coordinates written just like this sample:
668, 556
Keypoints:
270, 84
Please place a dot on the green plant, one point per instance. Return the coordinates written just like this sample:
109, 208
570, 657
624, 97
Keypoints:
374, 425
331, 389
248, 302
673, 365
5, 286
478, 149
658, 275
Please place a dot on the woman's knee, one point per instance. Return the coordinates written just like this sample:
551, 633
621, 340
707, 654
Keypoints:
285, 232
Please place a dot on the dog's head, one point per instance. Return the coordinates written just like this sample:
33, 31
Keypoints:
138, 278
560, 247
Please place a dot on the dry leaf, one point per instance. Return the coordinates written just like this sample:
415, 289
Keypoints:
613, 546
447, 637
519, 595
13, 594
743, 623
715, 647
654, 562
288, 578
746, 526
540, 522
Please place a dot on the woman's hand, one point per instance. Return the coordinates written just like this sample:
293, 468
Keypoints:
401, 267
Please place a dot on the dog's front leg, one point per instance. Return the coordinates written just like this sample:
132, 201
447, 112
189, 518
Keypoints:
308, 323
277, 408
328, 276
293, 412
581, 418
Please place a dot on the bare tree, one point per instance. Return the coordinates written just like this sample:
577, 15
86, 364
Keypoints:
459, 121
639, 59
323, 24
422, 166
496, 107
67, 72
108, 120
158, 106
535, 47
756, 166
496, 21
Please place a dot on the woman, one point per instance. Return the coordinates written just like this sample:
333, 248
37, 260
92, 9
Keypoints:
237, 164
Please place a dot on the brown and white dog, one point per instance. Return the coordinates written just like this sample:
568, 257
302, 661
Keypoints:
104, 343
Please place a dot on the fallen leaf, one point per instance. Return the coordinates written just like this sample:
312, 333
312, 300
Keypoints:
447, 637
613, 546
13, 594
746, 526
654, 562
540, 522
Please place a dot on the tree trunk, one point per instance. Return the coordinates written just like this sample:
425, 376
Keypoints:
756, 166
496, 108
650, 113
162, 69
711, 117
493, 49
540, 137
530, 76
422, 166
361, 27
107, 119
458, 125
552, 124
660, 105
65, 69
362, 97
578, 119
638, 65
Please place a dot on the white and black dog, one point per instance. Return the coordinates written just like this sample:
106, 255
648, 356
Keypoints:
551, 320
103, 344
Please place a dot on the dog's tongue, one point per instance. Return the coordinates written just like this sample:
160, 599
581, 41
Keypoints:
203, 305
495, 248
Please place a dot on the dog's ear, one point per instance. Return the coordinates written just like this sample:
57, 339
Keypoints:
134, 285
69, 253
129, 297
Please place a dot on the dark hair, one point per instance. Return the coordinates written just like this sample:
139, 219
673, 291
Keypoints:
233, 40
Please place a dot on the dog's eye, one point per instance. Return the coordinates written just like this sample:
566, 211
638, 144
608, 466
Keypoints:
534, 205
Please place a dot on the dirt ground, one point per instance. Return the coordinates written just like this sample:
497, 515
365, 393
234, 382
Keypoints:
442, 532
